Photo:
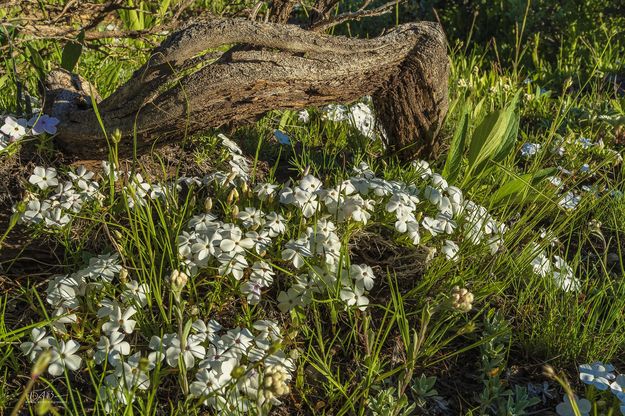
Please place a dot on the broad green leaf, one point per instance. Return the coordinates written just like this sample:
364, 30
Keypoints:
454, 157
477, 110
488, 137
509, 140
72, 52
521, 186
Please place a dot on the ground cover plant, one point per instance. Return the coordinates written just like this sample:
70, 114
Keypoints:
297, 266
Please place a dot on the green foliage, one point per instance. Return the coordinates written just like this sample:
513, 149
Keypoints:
71, 52
552, 83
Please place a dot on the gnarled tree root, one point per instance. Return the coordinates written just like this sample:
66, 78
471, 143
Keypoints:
183, 90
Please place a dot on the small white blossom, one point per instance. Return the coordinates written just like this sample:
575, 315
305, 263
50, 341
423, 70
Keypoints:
64, 357
43, 178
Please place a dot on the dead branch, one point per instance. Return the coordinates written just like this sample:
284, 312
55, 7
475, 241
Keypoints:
361, 13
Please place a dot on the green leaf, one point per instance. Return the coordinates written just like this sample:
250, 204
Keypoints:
519, 188
454, 157
284, 120
509, 139
488, 137
512, 131
36, 60
72, 52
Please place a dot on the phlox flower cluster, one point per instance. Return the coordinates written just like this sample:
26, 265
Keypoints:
359, 115
557, 268
248, 248
241, 366
55, 200
603, 378
579, 158
14, 129
231, 365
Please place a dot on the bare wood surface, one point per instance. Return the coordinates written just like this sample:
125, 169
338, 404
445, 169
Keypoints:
181, 91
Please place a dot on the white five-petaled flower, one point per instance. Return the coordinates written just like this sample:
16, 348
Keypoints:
43, 178
208, 382
289, 299
64, 357
112, 348
355, 297
206, 331
363, 274
233, 242
450, 249
564, 276
570, 201
136, 292
132, 373
529, 149
192, 350
14, 128
39, 342
120, 320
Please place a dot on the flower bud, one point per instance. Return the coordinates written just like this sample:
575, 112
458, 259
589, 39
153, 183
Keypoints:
123, 275
244, 188
549, 372
208, 204
232, 196
41, 365
467, 329
178, 279
275, 347
230, 178
238, 372
44, 407
116, 136
144, 364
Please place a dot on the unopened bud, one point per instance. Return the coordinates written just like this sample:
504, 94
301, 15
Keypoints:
467, 329
123, 275
238, 372
230, 178
178, 279
244, 188
41, 365
144, 364
567, 83
549, 372
116, 136
275, 347
43, 407
235, 211
232, 196
208, 204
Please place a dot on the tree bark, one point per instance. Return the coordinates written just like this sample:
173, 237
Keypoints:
182, 90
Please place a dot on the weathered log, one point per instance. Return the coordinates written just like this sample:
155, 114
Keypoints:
182, 90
